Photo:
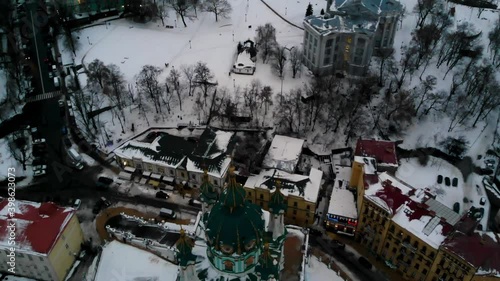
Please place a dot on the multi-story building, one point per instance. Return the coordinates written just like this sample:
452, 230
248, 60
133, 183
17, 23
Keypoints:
300, 191
47, 239
179, 159
422, 231
345, 37
342, 216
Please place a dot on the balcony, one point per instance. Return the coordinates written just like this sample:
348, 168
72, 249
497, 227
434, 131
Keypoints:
409, 246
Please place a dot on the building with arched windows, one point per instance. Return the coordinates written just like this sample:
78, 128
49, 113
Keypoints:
345, 37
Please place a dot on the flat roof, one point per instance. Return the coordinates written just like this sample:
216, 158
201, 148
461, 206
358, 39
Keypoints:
283, 154
342, 203
383, 151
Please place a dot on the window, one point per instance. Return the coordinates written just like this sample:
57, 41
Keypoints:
249, 193
393, 250
294, 212
307, 221
295, 204
315, 42
329, 43
261, 196
171, 172
46, 268
30, 258
228, 265
182, 174
41, 259
193, 177
249, 261
417, 265
387, 245
424, 271
326, 61
307, 215
161, 170
216, 182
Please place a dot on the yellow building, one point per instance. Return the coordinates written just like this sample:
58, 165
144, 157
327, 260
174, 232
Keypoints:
47, 240
301, 193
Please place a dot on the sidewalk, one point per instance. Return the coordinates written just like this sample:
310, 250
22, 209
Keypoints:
324, 258
359, 250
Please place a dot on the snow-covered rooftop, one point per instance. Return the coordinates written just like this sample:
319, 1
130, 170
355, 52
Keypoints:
120, 261
370, 164
38, 225
244, 60
292, 184
283, 154
342, 203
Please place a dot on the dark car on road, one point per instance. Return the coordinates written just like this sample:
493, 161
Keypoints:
337, 244
315, 232
194, 203
365, 263
104, 182
162, 195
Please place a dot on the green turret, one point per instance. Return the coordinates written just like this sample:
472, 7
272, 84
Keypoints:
277, 202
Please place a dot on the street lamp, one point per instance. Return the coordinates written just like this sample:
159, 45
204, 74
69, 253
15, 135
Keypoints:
88, 40
189, 44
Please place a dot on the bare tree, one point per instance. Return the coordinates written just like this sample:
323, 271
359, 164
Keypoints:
190, 75
148, 84
265, 40
160, 10
174, 79
424, 90
195, 4
116, 84
265, 96
97, 72
278, 56
494, 45
18, 146
218, 99
383, 54
180, 7
203, 77
295, 60
220, 8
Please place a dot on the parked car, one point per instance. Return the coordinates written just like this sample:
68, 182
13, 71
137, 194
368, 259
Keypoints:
365, 263
167, 213
39, 173
195, 203
162, 195
337, 244
105, 202
104, 182
77, 204
482, 201
39, 141
61, 103
315, 232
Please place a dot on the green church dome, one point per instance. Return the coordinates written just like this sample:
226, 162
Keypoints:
234, 225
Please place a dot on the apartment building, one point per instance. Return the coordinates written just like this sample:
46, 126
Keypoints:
301, 193
48, 239
343, 40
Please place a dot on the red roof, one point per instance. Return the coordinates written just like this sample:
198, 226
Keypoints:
37, 224
383, 151
480, 250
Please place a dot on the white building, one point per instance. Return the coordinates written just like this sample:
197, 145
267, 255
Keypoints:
245, 60
283, 154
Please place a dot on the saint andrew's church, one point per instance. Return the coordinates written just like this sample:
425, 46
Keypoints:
243, 242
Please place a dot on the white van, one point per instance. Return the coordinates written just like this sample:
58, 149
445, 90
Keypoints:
125, 176
74, 155
56, 82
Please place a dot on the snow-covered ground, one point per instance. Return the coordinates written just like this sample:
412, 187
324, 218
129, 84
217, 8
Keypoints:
16, 278
131, 45
7, 161
318, 271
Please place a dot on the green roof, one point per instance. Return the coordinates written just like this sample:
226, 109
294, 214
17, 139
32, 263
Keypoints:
266, 266
233, 195
184, 246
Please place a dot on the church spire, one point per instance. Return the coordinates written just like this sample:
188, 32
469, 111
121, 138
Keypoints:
277, 200
233, 195
268, 266
184, 246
